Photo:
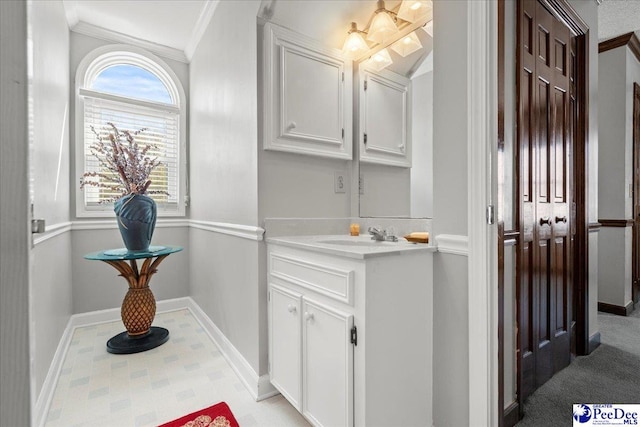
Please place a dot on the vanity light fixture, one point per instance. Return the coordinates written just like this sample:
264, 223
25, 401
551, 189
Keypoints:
383, 26
414, 10
429, 28
407, 45
380, 60
355, 45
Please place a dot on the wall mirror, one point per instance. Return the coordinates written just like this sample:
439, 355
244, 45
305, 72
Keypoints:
394, 127
391, 171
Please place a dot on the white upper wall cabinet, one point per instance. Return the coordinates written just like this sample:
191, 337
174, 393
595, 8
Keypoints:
307, 98
385, 118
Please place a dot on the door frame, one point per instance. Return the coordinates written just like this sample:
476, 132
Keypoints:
563, 11
635, 252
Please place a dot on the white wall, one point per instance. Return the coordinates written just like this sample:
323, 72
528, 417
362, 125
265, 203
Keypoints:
15, 384
386, 191
50, 291
450, 294
588, 11
619, 69
613, 157
422, 146
298, 186
224, 270
612, 152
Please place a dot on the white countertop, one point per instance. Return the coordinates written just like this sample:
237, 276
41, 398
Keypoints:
362, 247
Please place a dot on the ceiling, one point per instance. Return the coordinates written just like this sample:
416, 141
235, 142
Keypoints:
616, 17
178, 24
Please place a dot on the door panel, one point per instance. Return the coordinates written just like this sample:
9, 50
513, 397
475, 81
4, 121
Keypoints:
285, 343
544, 138
327, 365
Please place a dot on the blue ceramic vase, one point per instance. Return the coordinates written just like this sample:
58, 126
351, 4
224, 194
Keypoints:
136, 215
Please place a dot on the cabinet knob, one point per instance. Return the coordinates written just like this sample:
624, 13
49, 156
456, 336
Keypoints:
291, 308
292, 125
308, 316
561, 219
545, 220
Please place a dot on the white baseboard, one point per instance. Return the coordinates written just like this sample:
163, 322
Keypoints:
43, 403
259, 387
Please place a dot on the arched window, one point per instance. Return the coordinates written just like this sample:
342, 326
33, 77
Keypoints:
132, 89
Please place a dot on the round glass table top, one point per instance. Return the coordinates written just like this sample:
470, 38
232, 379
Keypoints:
124, 254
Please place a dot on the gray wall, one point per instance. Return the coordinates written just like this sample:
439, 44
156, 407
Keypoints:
422, 146
619, 69
80, 46
612, 152
588, 11
450, 295
224, 178
14, 245
96, 285
294, 185
50, 290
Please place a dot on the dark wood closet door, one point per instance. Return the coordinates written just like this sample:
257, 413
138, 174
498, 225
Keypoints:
544, 129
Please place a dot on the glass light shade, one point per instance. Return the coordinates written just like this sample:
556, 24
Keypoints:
354, 45
414, 10
407, 45
429, 28
380, 60
382, 28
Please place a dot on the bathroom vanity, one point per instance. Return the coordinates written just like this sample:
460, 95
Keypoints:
350, 329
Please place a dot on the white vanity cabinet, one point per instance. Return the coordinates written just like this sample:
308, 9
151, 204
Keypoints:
384, 104
307, 96
350, 337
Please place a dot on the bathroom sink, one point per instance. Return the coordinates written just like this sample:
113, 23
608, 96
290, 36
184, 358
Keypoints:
366, 243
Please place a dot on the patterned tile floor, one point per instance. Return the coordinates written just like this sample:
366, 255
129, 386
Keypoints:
188, 373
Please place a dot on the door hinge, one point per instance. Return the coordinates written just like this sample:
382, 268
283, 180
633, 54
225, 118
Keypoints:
342, 133
269, 296
343, 76
365, 138
491, 214
365, 85
354, 335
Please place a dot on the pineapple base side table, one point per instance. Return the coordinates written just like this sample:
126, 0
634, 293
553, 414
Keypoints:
139, 305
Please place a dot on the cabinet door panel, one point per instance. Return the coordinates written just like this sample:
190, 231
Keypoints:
285, 343
307, 96
327, 367
311, 97
384, 115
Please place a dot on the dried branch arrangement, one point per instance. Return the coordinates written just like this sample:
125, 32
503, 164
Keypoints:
124, 164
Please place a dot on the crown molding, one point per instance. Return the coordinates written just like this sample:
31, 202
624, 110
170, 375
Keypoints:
71, 12
206, 14
114, 36
628, 39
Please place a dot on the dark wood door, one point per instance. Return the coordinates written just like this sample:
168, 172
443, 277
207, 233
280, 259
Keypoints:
544, 133
635, 291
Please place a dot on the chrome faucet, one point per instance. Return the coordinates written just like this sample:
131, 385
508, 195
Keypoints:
381, 235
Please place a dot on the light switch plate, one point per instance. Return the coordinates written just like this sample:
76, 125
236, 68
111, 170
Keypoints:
339, 182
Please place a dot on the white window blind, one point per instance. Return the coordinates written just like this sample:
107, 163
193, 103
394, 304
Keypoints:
162, 125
